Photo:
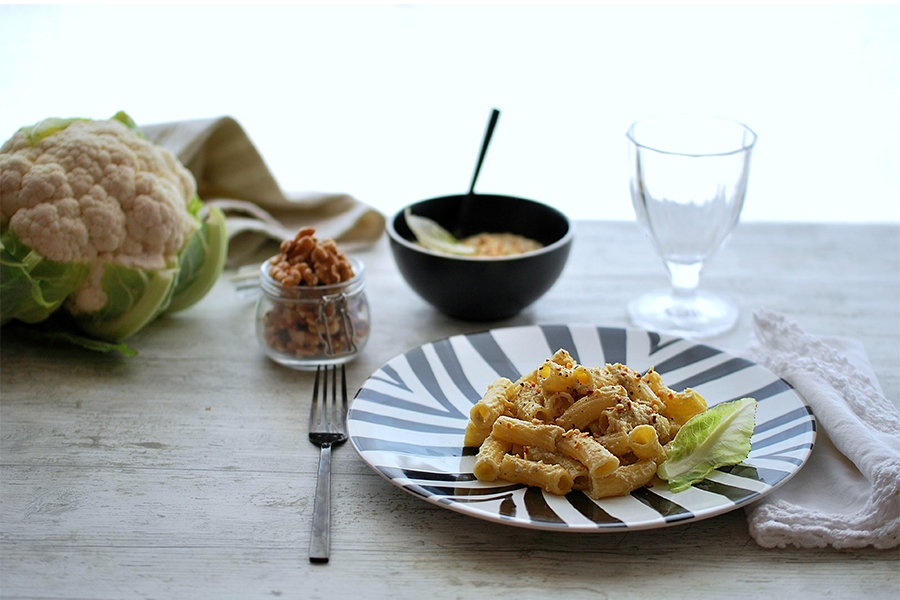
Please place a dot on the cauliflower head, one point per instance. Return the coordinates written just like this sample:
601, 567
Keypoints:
100, 221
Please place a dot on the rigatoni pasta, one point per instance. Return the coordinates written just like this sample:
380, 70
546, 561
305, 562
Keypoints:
484, 412
565, 426
590, 407
588, 451
524, 433
555, 479
489, 458
493, 404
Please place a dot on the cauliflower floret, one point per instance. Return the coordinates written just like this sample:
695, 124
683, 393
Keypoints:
96, 192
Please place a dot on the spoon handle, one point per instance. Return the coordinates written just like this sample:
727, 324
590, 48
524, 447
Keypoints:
467, 199
484, 146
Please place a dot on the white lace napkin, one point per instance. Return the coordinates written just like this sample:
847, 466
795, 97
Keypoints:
848, 493
232, 174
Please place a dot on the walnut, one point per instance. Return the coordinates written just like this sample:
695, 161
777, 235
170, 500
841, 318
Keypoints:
305, 260
303, 323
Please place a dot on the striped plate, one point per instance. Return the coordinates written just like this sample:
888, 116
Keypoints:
408, 420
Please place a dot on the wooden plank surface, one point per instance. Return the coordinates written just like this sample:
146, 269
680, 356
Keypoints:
185, 472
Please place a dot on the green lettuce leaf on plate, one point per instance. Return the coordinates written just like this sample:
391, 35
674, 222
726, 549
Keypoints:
715, 438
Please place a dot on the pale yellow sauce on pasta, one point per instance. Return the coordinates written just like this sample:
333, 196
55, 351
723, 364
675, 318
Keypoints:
565, 426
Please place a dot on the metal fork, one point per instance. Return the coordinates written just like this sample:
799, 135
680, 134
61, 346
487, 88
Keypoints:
327, 428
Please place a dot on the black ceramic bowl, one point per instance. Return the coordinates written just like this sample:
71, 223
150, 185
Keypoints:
483, 289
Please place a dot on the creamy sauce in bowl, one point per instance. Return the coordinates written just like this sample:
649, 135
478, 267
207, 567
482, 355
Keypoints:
500, 244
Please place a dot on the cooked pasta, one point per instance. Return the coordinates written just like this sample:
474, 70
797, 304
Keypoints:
492, 404
555, 479
489, 458
524, 433
566, 426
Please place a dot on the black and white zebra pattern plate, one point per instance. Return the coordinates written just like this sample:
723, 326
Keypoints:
408, 422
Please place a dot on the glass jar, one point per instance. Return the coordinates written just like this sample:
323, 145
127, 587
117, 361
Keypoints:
305, 326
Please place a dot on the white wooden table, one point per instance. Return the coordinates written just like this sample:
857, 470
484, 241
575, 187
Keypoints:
185, 472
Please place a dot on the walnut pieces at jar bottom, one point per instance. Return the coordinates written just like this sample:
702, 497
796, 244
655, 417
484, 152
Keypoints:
313, 307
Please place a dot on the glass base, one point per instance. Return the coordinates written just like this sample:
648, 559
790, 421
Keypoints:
700, 316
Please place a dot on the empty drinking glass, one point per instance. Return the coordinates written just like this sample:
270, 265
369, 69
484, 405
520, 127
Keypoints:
688, 182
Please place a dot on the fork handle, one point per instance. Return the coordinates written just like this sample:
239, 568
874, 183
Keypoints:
320, 538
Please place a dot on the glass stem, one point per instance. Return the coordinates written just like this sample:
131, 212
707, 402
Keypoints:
685, 278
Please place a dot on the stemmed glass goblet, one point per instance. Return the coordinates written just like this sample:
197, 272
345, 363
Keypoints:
688, 182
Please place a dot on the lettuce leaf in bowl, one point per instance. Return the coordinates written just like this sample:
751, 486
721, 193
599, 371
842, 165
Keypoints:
433, 236
715, 438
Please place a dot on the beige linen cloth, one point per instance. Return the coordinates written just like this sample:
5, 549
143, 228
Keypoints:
232, 175
848, 493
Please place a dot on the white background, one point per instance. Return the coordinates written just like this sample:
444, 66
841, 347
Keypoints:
389, 102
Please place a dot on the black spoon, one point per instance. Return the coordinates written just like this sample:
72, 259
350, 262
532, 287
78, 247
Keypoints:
467, 199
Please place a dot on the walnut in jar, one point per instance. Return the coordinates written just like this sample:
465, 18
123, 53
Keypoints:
313, 308
305, 260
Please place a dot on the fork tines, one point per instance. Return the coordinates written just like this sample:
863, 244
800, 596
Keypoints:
328, 415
